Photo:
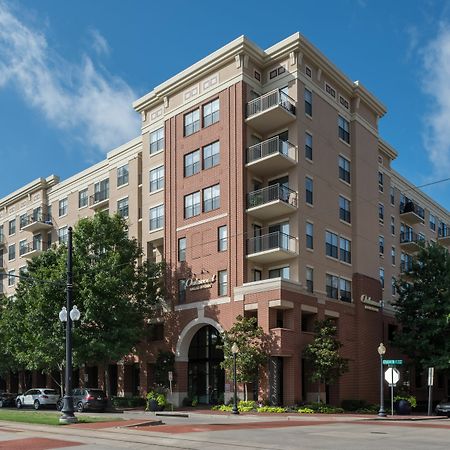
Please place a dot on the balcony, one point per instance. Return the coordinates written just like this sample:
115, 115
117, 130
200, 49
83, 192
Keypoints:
99, 199
412, 213
38, 222
410, 241
271, 248
32, 249
270, 111
271, 156
271, 201
444, 235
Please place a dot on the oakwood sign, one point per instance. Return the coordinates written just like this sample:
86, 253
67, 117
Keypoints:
195, 284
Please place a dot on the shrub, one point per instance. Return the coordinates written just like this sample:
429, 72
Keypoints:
186, 401
353, 405
127, 402
246, 405
322, 408
409, 398
158, 397
271, 409
305, 410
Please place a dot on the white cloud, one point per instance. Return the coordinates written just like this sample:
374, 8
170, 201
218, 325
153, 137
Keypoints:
90, 104
99, 43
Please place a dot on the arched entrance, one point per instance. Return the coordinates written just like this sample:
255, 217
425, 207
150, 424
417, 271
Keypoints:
206, 379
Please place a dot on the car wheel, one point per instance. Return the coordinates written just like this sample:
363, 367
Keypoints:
36, 404
19, 404
80, 407
59, 405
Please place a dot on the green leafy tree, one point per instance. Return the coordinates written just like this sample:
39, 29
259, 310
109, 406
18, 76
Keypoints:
250, 339
327, 366
423, 308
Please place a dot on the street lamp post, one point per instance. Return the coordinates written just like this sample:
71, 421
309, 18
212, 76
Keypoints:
235, 351
381, 351
68, 415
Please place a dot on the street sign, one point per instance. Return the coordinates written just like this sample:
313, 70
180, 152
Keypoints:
170, 375
430, 376
392, 362
392, 376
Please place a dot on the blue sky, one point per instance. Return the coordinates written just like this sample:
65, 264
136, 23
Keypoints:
70, 70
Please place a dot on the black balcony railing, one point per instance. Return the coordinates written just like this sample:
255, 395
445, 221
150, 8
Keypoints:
271, 241
411, 236
272, 98
269, 147
270, 194
412, 207
443, 232
99, 196
39, 217
405, 266
31, 247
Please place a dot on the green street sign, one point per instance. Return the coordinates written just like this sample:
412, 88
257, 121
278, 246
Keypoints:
392, 362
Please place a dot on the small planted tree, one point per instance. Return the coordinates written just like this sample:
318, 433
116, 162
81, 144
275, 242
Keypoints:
327, 365
249, 338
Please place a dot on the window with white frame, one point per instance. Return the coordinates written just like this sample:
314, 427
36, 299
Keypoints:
192, 163
344, 129
191, 122
308, 146
22, 221
122, 207
382, 277
63, 235
211, 113
345, 290
222, 238
344, 169
222, 279
381, 212
432, 222
309, 190
211, 198
12, 227
122, 175
345, 250
157, 140
279, 272
332, 286
211, 155
156, 217
22, 247
393, 256
156, 177
11, 277
308, 102
83, 198
392, 195
192, 205
11, 252
392, 225
62, 207
182, 249
381, 245
309, 235
344, 209
310, 279
331, 244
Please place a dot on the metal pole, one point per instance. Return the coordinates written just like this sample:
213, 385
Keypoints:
68, 415
430, 400
235, 408
381, 412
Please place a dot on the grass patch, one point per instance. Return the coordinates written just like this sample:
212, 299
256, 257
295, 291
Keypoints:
46, 418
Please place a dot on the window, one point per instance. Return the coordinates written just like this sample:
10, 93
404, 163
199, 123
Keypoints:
11, 277
222, 238
182, 249
192, 205
211, 113
393, 255
308, 102
380, 181
257, 275
222, 277
63, 235
22, 247
392, 195
156, 217
308, 146
392, 225
309, 191
345, 250
12, 227
393, 286
191, 122
101, 190
22, 221
280, 272
381, 212
382, 277
329, 90
344, 169
344, 209
122, 207
345, 290
332, 283
310, 279
181, 291
192, 163
12, 252
82, 198
344, 129
157, 140
309, 235
122, 175
62, 207
211, 155
381, 245
331, 244
211, 198
156, 179
432, 222
308, 71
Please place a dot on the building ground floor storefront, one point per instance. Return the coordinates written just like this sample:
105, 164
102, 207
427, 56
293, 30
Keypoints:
193, 333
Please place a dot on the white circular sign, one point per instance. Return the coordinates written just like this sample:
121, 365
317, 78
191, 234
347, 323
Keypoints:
392, 375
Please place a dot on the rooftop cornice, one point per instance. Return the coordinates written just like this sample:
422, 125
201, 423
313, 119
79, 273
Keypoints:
387, 149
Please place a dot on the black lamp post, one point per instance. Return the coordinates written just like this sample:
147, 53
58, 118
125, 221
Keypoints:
235, 351
381, 351
68, 415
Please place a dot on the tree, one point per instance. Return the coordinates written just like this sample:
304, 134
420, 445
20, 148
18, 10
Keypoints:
249, 338
327, 365
423, 308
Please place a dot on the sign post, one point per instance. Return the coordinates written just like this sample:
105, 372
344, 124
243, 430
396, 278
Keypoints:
392, 376
430, 388
170, 375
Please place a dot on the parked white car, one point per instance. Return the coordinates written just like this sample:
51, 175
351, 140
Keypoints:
38, 397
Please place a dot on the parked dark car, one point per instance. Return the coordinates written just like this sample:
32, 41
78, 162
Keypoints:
89, 399
443, 408
7, 399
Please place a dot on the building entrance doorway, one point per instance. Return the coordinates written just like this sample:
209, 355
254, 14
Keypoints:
206, 379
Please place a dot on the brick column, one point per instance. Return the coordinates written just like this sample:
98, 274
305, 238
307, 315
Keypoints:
143, 388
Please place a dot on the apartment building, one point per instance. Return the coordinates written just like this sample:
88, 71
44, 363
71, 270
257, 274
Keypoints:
260, 177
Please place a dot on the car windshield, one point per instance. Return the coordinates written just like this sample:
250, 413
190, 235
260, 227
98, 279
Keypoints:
50, 392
